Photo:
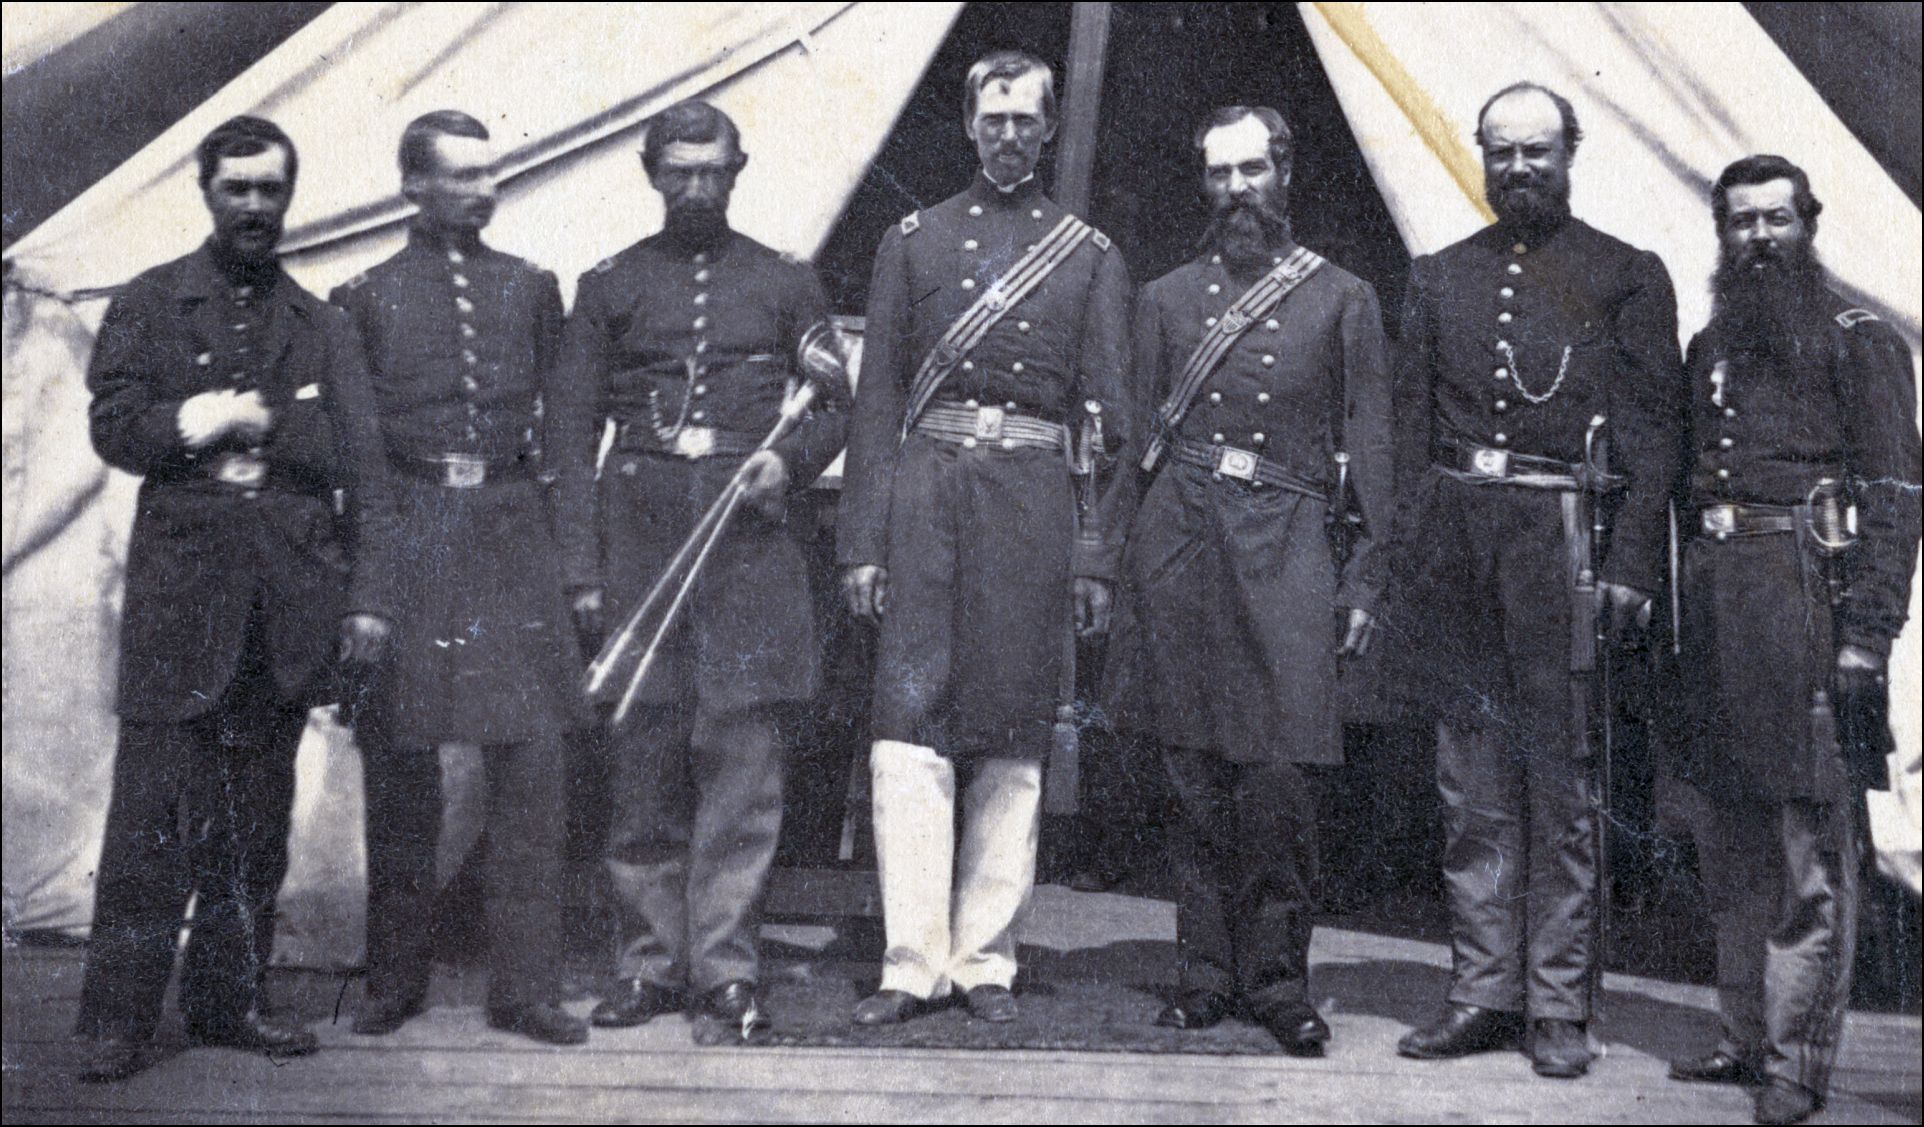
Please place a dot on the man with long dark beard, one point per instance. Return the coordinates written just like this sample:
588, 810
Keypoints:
1527, 348
685, 342
1801, 405
1273, 381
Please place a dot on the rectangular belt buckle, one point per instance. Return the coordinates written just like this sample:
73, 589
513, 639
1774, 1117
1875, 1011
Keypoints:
695, 442
1490, 463
988, 423
1239, 464
1720, 519
247, 470
463, 471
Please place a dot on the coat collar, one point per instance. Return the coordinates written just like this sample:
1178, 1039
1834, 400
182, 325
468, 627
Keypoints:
986, 192
202, 279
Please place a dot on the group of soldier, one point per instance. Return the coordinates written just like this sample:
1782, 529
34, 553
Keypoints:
469, 480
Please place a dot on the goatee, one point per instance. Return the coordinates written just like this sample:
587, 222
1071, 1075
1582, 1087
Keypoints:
1248, 233
695, 225
1769, 300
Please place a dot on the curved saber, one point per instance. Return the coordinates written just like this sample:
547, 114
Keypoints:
701, 542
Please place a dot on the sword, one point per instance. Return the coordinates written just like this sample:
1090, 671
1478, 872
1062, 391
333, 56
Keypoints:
1596, 454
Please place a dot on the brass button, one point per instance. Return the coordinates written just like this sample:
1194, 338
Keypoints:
701, 323
1723, 475
701, 389
467, 331
468, 357
1503, 318
455, 256
1520, 249
970, 244
968, 283
1214, 288
460, 281
1506, 292
1215, 397
1021, 326
1216, 437
1726, 443
698, 416
1730, 412
1009, 406
1008, 444
1501, 405
971, 404
1500, 438
1269, 361
204, 359
1502, 346
701, 258
1262, 397
464, 305
1035, 213
1501, 374
968, 365
1513, 268
701, 299
1017, 368
1209, 321
701, 276
1272, 324
1216, 259
975, 209
1259, 438
969, 442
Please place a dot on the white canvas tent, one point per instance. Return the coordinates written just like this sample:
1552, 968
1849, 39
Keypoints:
1667, 93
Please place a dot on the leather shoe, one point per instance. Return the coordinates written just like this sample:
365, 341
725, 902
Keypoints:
112, 1059
1717, 1068
255, 1034
1784, 1101
378, 1017
992, 1003
1463, 1030
1195, 1009
888, 1007
551, 1025
635, 1001
1297, 1027
737, 1007
1559, 1049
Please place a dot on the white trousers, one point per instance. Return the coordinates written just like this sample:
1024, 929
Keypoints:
950, 915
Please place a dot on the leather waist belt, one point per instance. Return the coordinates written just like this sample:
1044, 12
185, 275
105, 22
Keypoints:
971, 425
685, 442
1244, 465
1724, 522
1489, 465
464, 471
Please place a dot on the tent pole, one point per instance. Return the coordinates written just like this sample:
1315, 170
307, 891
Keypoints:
1082, 105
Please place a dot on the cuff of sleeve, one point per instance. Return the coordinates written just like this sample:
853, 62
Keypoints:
1095, 558
1853, 634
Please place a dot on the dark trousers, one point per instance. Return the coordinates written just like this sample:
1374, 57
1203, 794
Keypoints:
697, 810
1244, 858
1782, 876
526, 820
1519, 861
200, 810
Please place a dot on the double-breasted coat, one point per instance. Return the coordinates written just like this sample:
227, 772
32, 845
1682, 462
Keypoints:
667, 343
461, 341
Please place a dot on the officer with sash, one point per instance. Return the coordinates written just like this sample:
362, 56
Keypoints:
461, 339
997, 323
1272, 375
1529, 351
1801, 406
685, 343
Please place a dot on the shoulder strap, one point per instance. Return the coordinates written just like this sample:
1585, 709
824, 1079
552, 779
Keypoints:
1002, 295
1258, 302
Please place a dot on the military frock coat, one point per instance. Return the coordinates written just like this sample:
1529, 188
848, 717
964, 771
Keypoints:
980, 542
1759, 631
205, 554
664, 340
1233, 586
461, 341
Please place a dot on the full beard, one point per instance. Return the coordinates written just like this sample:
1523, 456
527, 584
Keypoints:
1534, 203
1769, 302
1246, 234
695, 224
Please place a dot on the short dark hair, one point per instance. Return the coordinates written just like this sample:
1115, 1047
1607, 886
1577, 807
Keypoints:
244, 136
417, 140
1572, 132
1762, 168
1007, 66
1281, 141
690, 122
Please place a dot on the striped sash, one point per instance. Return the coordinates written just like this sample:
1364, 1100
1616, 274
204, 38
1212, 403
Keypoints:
1016, 283
1262, 298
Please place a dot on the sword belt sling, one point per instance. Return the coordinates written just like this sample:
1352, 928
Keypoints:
968, 330
1258, 302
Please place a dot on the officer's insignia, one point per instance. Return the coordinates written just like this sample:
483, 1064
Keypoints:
1100, 239
1235, 321
994, 301
911, 223
311, 391
1851, 318
357, 281
604, 266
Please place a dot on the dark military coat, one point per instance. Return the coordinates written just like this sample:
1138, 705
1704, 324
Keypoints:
1516, 342
980, 542
665, 338
1233, 584
204, 554
461, 341
1759, 633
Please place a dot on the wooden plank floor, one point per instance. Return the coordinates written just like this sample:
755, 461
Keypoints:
447, 1066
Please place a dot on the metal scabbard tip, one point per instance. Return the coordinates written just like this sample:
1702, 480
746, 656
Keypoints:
1092, 407
1596, 420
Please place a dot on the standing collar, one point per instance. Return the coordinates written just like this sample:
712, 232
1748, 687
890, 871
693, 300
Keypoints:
204, 278
986, 191
438, 243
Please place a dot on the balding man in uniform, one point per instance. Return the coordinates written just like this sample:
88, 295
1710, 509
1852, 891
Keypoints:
461, 340
1525, 347
1802, 406
1272, 375
686, 343
996, 322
